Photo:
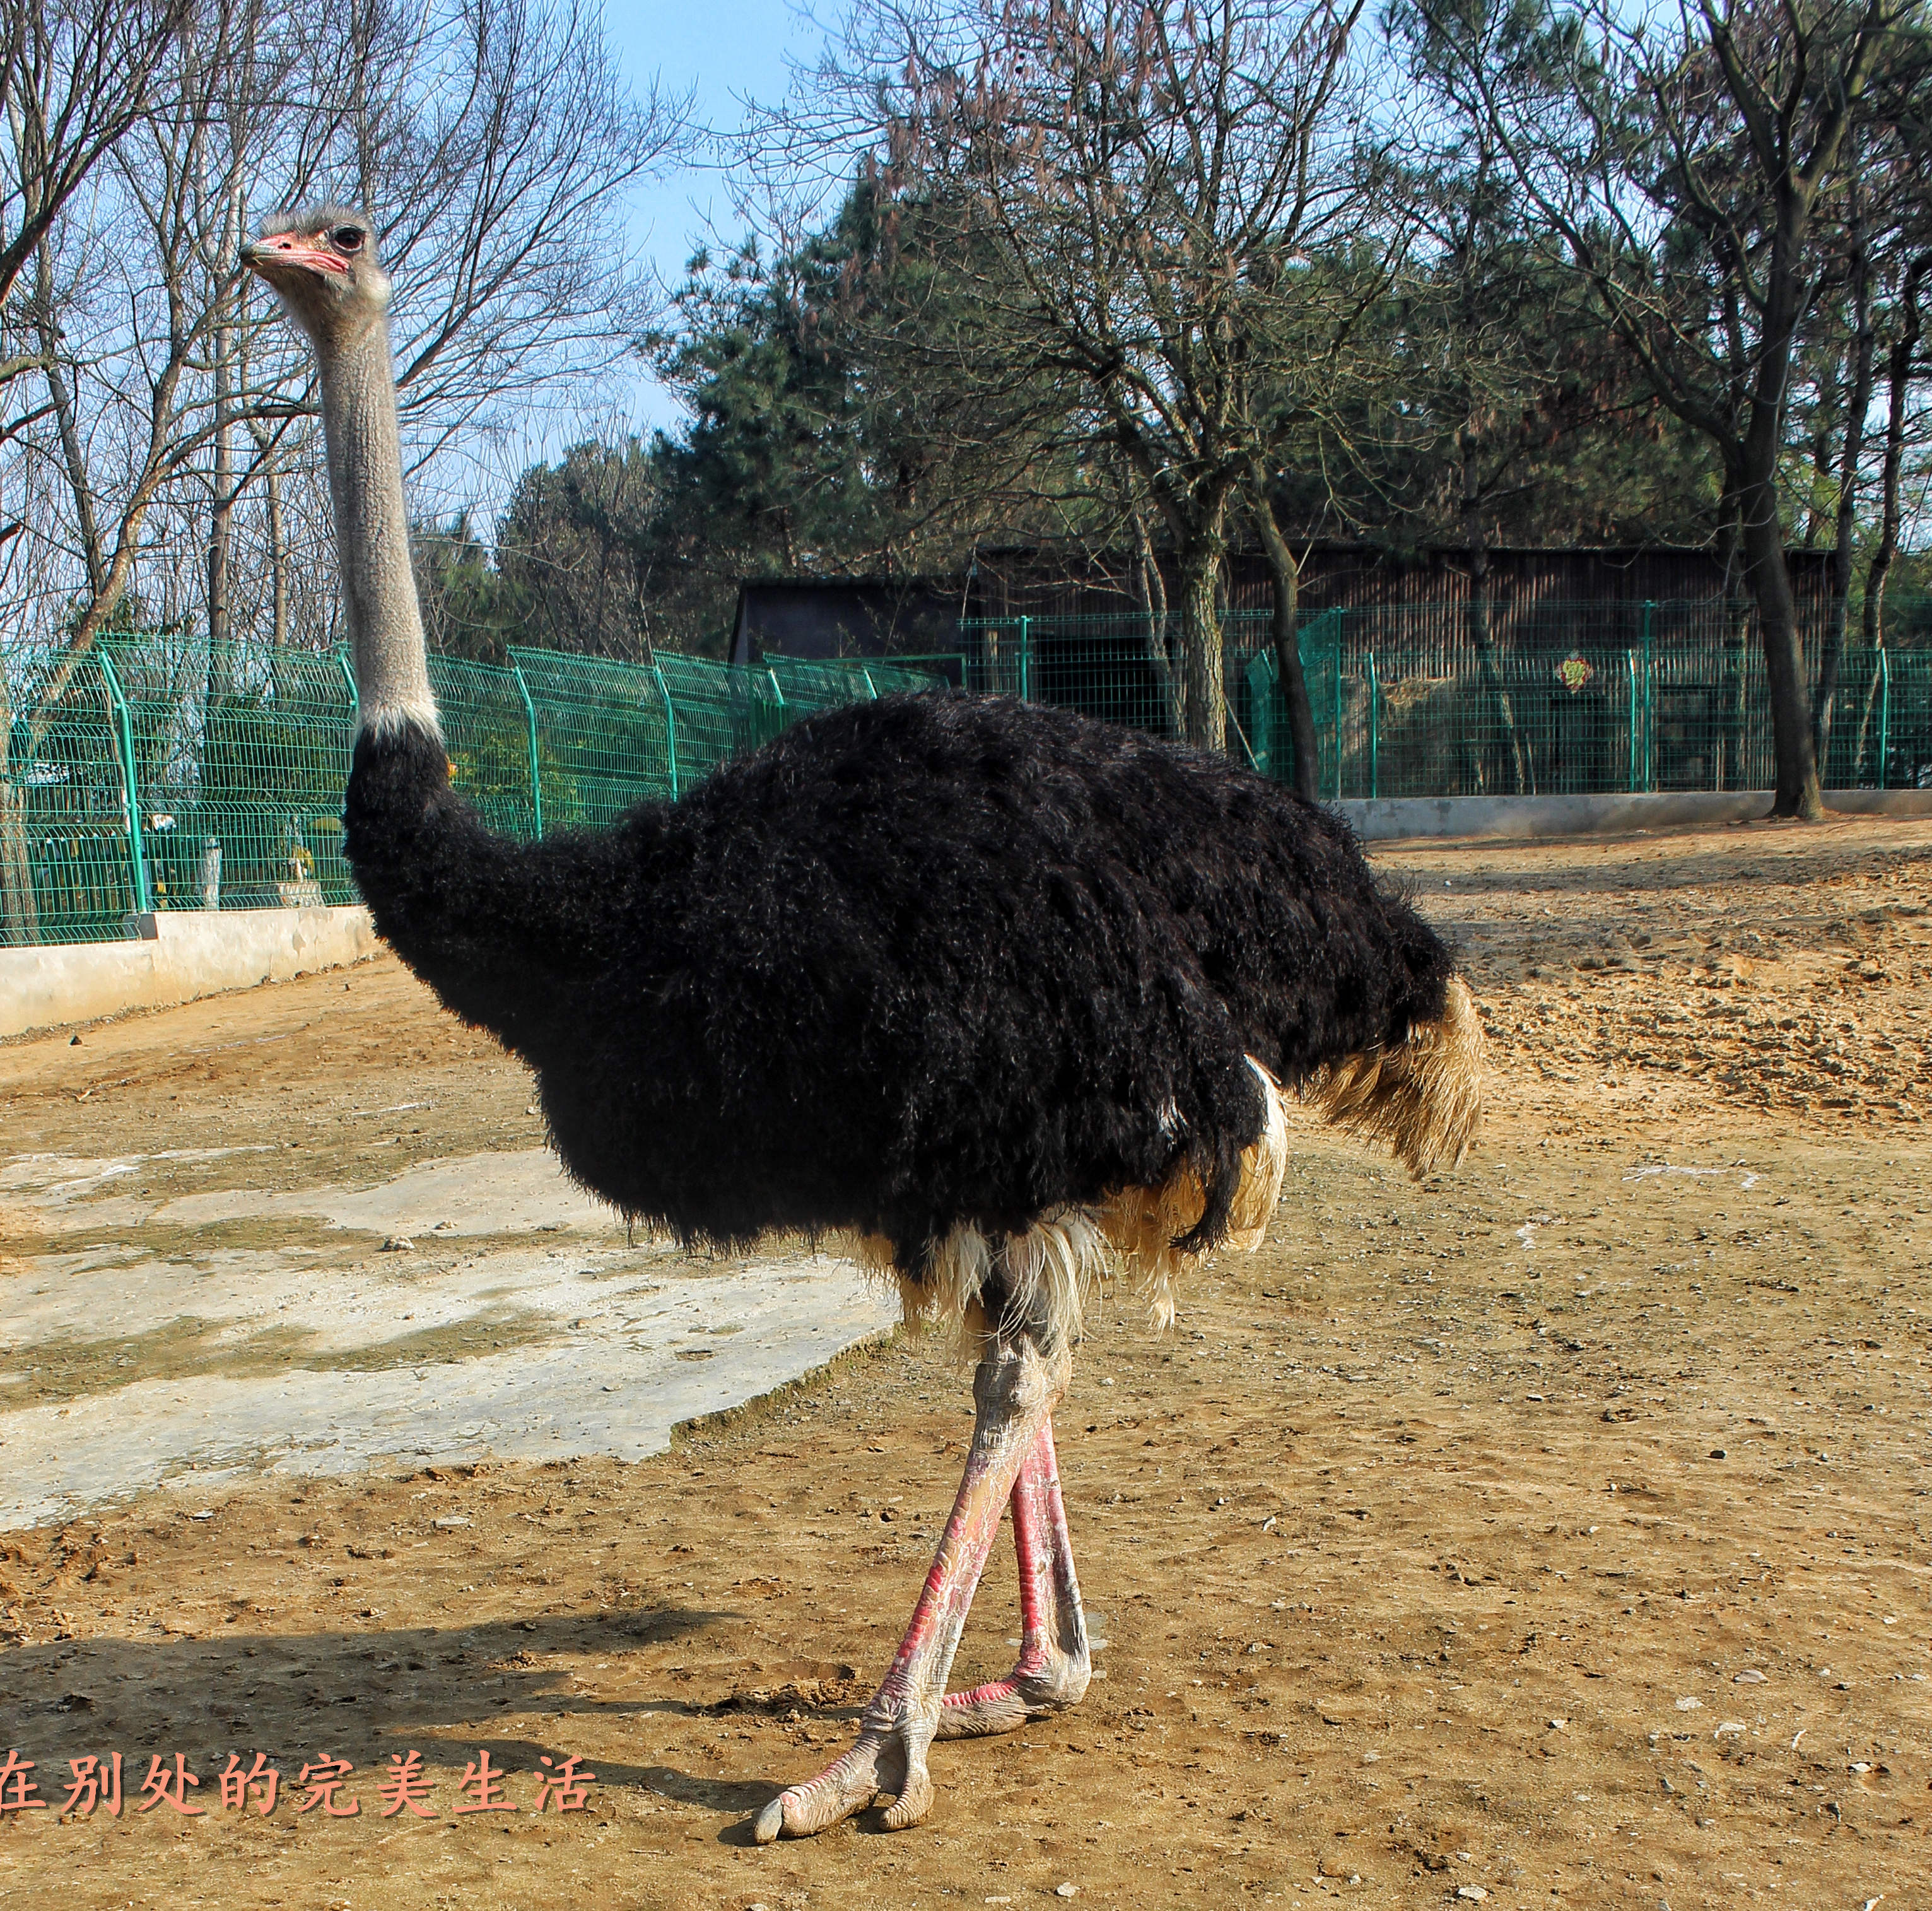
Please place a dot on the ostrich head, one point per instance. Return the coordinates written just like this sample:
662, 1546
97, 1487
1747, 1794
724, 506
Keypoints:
321, 260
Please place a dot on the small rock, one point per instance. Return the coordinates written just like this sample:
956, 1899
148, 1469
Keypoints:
1750, 1675
1474, 1894
1862, 1766
207, 1512
1730, 1728
1066, 1891
399, 1244
1689, 1704
1558, 1725
1718, 1453
73, 1041
455, 1519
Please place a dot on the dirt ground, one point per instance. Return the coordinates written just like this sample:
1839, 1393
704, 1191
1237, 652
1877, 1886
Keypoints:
1551, 1533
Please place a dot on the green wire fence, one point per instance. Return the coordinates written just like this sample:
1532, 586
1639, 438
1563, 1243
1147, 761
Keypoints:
161, 774
1432, 700
164, 774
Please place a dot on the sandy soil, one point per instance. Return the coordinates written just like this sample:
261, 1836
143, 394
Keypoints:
1551, 1533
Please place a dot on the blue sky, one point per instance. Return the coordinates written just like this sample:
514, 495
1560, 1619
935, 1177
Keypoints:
727, 50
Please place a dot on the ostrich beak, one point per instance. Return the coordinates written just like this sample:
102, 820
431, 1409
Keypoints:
263, 256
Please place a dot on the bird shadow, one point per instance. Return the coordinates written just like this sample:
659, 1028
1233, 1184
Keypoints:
295, 1696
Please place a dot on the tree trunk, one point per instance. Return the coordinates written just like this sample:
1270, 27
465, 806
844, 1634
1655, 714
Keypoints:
20, 913
1285, 575
1150, 594
1491, 675
1898, 382
1770, 580
93, 557
1205, 717
1753, 463
221, 516
1736, 629
1831, 656
278, 555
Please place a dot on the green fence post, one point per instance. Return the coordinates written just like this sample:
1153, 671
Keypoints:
1259, 677
349, 677
871, 689
1649, 701
536, 767
1338, 713
1375, 729
670, 728
1026, 660
1884, 712
1636, 743
130, 786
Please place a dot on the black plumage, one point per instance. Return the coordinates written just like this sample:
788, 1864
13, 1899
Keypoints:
922, 962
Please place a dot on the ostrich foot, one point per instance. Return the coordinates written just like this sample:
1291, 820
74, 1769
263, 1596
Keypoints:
1015, 1391
1053, 1665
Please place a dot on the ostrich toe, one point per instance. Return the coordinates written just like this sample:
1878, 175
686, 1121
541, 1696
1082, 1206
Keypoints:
888, 1760
1015, 1391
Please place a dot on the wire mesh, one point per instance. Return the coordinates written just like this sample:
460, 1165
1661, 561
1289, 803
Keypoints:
67, 848
1556, 697
807, 684
160, 773
486, 729
241, 754
603, 739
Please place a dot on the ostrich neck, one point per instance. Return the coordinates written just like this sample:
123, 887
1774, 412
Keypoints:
372, 534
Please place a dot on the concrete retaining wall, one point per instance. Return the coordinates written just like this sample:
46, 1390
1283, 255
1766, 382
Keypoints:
177, 955
1398, 818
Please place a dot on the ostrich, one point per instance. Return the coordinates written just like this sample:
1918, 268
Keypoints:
988, 988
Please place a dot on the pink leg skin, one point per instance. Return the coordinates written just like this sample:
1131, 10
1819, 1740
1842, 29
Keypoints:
1015, 1392
1054, 1667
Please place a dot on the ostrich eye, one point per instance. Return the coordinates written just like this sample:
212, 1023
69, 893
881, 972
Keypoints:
348, 239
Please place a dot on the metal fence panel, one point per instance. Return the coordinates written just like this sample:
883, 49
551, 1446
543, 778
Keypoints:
68, 838
162, 774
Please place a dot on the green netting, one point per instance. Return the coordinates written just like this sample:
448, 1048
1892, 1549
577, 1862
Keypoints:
160, 774
486, 727
232, 763
603, 739
240, 755
806, 684
1428, 700
67, 849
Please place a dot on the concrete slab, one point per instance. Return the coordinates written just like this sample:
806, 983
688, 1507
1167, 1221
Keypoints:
1403, 818
176, 956
329, 1356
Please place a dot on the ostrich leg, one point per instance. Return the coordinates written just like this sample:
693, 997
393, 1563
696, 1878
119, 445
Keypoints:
1053, 1668
1015, 1391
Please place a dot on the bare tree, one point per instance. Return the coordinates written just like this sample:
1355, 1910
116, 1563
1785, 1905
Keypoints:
1117, 191
1677, 161
1902, 365
75, 75
501, 139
